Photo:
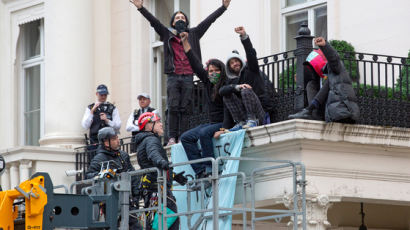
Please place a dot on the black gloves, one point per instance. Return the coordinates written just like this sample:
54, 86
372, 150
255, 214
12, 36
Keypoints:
165, 165
180, 178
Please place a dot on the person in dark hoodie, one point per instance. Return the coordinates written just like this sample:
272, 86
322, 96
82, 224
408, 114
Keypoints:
150, 153
244, 87
337, 94
176, 65
213, 78
109, 150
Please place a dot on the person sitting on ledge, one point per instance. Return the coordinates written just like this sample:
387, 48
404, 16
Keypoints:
336, 97
244, 84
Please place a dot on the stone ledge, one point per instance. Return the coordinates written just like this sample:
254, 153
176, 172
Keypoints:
298, 129
38, 153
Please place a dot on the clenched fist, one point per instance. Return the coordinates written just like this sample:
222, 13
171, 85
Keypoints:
319, 41
226, 3
137, 3
240, 30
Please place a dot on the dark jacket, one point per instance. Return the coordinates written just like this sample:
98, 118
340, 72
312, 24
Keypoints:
150, 152
166, 34
215, 107
97, 123
248, 75
341, 102
120, 157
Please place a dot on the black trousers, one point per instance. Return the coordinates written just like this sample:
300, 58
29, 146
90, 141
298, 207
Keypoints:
179, 102
245, 107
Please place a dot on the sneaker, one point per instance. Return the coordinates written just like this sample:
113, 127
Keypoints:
171, 141
237, 127
250, 124
304, 114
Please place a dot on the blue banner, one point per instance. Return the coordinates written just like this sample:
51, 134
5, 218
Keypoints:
229, 144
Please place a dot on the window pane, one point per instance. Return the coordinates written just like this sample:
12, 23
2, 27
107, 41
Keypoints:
293, 23
32, 132
321, 22
31, 39
32, 88
32, 105
294, 2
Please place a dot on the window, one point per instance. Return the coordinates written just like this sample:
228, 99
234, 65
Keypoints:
31, 69
296, 12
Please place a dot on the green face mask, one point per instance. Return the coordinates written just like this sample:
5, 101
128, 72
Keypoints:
214, 77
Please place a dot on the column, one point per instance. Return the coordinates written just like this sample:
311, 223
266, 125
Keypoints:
14, 175
24, 167
5, 179
69, 68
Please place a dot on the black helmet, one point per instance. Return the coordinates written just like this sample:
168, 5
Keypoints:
106, 133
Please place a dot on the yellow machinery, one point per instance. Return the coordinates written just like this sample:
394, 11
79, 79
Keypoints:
35, 198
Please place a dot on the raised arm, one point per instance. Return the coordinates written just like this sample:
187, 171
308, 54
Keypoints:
193, 59
207, 22
249, 50
155, 23
331, 55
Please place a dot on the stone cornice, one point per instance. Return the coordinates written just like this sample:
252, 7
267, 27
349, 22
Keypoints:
292, 130
36, 153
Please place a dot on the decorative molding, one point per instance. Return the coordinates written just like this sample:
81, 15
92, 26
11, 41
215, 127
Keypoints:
316, 211
35, 153
298, 129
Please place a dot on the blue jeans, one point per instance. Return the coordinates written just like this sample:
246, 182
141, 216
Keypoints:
204, 133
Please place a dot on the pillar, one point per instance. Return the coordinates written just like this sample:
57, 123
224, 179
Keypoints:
14, 175
24, 168
69, 68
5, 179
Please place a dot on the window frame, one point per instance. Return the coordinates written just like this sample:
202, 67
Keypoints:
308, 7
37, 60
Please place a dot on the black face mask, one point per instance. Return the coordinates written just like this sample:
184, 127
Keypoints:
180, 26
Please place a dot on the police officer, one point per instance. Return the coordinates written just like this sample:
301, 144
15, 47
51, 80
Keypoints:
109, 150
144, 101
99, 115
150, 153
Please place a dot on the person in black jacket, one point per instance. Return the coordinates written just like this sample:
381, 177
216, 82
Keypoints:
150, 153
213, 78
337, 92
176, 65
109, 150
244, 87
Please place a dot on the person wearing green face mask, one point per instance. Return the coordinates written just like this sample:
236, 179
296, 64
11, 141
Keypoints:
213, 77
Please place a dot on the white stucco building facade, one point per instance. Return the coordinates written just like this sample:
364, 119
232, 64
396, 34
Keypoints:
54, 53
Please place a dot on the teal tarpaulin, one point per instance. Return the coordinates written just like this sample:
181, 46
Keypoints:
229, 144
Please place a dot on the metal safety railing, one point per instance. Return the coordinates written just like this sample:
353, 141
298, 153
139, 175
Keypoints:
248, 182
